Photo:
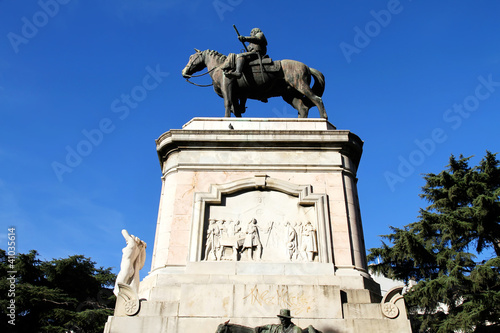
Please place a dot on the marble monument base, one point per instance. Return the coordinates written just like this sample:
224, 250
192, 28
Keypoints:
200, 296
257, 215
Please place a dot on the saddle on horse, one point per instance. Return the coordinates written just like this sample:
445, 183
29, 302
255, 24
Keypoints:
259, 65
268, 65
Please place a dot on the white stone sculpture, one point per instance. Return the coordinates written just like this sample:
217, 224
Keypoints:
127, 301
226, 240
309, 243
292, 241
236, 228
223, 229
213, 240
133, 258
393, 302
230, 238
252, 239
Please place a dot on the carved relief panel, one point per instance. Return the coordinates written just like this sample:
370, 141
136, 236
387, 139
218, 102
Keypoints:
261, 219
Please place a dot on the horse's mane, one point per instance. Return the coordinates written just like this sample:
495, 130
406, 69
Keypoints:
216, 54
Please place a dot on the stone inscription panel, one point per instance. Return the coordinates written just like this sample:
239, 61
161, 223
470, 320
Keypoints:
303, 301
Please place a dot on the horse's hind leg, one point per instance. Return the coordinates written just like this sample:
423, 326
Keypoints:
300, 81
239, 107
297, 104
318, 101
227, 107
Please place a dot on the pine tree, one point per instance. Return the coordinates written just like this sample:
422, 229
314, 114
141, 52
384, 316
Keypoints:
452, 251
61, 295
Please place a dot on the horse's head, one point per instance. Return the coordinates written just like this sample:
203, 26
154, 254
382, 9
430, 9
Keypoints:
223, 328
196, 63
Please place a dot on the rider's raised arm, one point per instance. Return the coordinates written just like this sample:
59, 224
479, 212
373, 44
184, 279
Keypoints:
259, 38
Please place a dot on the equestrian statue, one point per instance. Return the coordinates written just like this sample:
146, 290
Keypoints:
252, 74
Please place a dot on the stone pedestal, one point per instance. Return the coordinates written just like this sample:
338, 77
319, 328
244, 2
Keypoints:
257, 215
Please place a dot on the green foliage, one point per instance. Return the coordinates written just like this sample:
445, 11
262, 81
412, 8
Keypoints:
455, 291
58, 295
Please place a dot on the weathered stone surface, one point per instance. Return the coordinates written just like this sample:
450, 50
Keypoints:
291, 183
216, 162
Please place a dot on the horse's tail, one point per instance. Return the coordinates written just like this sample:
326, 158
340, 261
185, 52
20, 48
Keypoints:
319, 82
318, 87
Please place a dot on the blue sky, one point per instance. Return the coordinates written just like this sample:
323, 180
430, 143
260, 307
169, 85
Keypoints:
416, 80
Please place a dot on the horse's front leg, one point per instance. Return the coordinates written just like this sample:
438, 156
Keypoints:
227, 95
230, 98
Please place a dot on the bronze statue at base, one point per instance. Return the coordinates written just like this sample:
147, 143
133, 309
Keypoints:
285, 326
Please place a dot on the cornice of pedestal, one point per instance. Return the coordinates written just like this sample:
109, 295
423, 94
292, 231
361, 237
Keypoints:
259, 134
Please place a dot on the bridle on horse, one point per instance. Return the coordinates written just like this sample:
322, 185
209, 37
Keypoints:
200, 75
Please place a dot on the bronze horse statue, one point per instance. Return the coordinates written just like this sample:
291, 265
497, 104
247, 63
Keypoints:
289, 79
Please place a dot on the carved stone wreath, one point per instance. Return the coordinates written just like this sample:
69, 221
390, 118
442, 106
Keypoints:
388, 305
390, 310
127, 301
131, 307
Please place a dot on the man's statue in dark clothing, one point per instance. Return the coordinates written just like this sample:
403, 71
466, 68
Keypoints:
256, 48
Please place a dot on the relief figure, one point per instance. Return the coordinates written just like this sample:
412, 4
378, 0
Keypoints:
309, 243
213, 241
292, 241
252, 239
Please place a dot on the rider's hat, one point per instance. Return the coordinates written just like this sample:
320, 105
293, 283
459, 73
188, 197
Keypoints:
285, 313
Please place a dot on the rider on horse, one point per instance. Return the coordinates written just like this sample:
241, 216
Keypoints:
257, 48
